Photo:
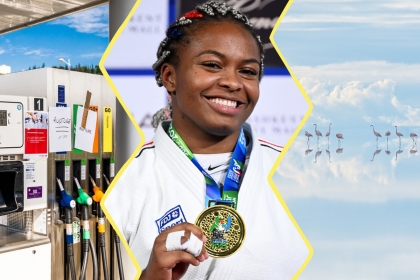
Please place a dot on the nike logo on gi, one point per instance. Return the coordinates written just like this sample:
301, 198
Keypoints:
214, 167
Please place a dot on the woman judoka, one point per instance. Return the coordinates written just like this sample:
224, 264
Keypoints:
211, 63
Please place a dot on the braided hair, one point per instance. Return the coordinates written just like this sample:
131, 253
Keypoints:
178, 34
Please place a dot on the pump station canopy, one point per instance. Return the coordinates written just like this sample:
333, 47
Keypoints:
17, 14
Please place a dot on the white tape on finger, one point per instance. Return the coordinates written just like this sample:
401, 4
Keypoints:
173, 241
192, 245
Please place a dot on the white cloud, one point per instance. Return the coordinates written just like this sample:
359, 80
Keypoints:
371, 102
328, 1
2, 51
36, 52
306, 29
403, 5
89, 55
371, 18
365, 71
92, 21
365, 87
309, 15
381, 257
354, 93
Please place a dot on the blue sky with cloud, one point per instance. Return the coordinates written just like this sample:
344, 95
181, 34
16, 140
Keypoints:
359, 207
81, 37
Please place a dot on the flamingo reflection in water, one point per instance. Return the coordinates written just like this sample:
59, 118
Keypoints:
397, 153
413, 135
414, 148
328, 154
339, 150
318, 153
375, 153
309, 150
388, 152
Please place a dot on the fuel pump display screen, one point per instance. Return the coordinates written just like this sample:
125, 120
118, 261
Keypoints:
3, 117
12, 124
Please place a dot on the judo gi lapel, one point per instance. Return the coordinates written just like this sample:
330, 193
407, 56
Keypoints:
169, 155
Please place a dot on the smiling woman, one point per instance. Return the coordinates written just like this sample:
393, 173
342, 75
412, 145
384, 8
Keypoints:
217, 76
204, 156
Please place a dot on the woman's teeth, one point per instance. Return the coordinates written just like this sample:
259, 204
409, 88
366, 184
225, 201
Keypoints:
224, 102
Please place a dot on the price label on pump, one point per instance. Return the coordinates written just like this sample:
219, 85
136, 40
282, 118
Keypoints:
98, 168
107, 129
83, 173
67, 170
112, 168
83, 170
76, 231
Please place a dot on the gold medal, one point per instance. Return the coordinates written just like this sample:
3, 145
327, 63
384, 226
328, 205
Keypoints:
224, 229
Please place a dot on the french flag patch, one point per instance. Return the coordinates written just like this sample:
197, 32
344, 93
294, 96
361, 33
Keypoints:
173, 217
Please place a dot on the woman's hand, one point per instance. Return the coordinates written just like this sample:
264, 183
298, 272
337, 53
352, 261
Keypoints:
173, 264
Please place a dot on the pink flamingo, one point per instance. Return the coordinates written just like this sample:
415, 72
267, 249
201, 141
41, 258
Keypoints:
317, 132
399, 134
387, 134
328, 132
307, 134
339, 136
413, 135
339, 150
377, 134
328, 154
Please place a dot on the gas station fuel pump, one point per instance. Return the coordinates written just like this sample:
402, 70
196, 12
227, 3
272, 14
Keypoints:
50, 218
23, 195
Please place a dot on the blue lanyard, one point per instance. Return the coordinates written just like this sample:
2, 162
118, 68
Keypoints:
233, 174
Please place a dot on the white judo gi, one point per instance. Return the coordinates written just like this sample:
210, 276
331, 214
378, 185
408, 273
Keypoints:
162, 187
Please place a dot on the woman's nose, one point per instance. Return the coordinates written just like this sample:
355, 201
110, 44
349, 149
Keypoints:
229, 80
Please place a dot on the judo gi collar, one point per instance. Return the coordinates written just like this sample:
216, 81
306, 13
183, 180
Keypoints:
229, 194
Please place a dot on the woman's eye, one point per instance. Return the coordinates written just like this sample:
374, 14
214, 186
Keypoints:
251, 72
211, 65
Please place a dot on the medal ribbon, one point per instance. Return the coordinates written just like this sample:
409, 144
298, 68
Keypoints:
233, 174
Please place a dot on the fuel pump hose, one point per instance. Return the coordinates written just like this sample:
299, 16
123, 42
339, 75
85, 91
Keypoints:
97, 197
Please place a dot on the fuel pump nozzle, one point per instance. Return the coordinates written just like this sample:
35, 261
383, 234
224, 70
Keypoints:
97, 197
98, 194
117, 243
68, 203
66, 200
106, 180
84, 198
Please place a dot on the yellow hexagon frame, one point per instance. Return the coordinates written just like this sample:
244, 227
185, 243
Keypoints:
273, 170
